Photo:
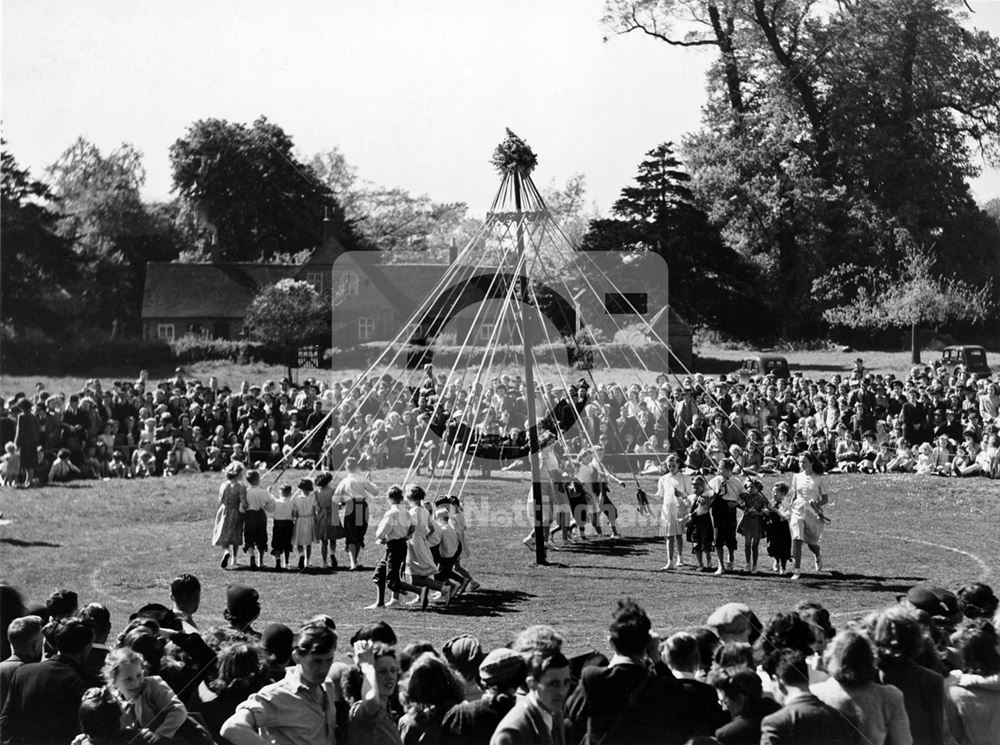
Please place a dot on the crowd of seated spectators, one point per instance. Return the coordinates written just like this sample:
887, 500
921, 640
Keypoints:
931, 422
924, 670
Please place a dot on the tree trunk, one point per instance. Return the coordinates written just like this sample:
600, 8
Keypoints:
914, 346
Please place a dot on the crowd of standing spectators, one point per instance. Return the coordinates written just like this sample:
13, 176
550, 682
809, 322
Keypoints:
925, 670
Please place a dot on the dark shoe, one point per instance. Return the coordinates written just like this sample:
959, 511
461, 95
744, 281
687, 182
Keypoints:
225, 562
302, 563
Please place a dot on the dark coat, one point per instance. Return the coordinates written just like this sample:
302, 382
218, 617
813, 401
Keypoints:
27, 437
43, 703
806, 721
745, 727
700, 713
923, 697
625, 704
474, 722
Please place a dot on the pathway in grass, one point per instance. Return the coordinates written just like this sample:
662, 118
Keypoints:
120, 542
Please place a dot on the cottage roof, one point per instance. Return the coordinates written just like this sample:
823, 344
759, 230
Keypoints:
206, 290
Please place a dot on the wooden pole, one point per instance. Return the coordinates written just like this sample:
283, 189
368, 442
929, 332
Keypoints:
529, 386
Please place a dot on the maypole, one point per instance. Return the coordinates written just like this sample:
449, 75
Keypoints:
529, 386
515, 160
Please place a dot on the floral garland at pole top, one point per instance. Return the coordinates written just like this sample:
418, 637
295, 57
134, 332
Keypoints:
514, 154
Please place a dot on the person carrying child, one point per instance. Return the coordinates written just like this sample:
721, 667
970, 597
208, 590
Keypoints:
751, 525
283, 528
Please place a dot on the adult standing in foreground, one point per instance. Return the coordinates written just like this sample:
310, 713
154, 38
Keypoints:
43, 699
299, 709
353, 492
809, 494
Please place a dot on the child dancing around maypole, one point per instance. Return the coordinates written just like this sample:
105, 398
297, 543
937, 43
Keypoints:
393, 531
420, 565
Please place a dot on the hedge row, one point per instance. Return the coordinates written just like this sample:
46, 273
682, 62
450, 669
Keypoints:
23, 357
653, 356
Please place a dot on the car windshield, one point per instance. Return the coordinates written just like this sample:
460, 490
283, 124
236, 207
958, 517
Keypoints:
976, 355
771, 365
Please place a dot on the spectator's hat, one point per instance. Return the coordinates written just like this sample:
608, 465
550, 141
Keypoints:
463, 651
166, 416
501, 665
242, 601
952, 609
731, 619
278, 640
926, 599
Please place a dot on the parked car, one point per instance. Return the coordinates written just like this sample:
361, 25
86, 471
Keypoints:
763, 364
973, 357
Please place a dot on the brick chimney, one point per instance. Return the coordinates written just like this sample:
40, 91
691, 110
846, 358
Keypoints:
327, 223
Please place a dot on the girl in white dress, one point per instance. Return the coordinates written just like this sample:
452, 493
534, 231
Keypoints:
674, 487
807, 519
304, 515
419, 560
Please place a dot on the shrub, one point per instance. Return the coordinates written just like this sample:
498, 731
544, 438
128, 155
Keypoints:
26, 357
196, 349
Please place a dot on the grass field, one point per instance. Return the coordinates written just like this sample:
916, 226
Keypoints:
120, 542
711, 360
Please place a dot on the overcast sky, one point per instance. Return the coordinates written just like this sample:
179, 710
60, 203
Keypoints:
415, 94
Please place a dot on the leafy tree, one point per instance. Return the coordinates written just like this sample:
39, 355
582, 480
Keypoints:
111, 230
289, 314
391, 219
830, 126
659, 214
992, 209
912, 295
250, 193
569, 208
36, 260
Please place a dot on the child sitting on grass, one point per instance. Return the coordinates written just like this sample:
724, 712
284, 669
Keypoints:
903, 461
10, 465
63, 469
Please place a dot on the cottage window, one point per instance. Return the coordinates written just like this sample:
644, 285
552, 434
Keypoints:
350, 283
165, 331
486, 330
366, 328
316, 280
